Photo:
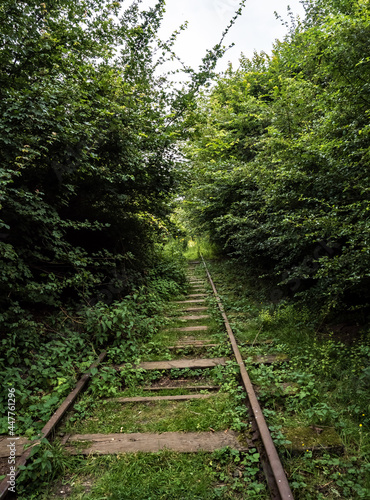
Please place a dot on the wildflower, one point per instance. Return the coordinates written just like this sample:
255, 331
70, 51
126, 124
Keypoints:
360, 425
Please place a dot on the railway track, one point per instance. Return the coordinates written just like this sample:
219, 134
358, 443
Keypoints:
193, 310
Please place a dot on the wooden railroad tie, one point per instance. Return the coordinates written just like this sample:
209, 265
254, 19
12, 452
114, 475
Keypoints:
201, 328
190, 301
315, 439
154, 399
192, 345
181, 363
189, 341
184, 387
194, 317
195, 309
184, 442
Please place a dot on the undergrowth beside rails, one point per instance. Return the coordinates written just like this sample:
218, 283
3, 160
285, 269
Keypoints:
48, 353
226, 473
328, 386
329, 378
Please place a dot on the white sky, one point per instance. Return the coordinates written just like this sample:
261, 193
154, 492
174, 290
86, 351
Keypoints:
256, 29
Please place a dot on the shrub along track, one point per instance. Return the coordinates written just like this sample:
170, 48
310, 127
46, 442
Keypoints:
193, 310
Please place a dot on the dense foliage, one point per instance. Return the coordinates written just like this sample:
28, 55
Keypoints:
86, 177
280, 157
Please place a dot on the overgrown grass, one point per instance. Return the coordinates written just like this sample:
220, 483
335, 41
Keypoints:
329, 392
224, 410
229, 473
225, 474
161, 416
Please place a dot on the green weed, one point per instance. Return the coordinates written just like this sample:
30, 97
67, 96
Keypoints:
224, 474
330, 380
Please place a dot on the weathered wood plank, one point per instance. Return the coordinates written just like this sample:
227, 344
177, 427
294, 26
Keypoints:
184, 442
13, 446
193, 341
197, 345
154, 399
194, 317
181, 363
190, 341
185, 387
315, 439
190, 301
195, 309
201, 328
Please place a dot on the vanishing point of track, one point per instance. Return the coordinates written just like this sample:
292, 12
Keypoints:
270, 461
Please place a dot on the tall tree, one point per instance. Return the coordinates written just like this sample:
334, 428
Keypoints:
85, 146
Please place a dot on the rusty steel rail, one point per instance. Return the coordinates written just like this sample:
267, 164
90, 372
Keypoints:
278, 472
51, 424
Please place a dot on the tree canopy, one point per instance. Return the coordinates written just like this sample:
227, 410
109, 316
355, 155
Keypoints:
87, 144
